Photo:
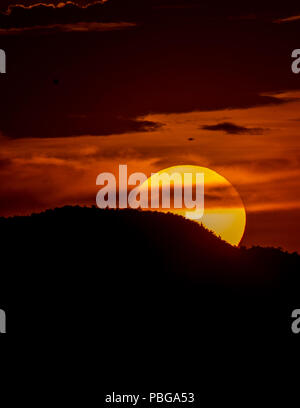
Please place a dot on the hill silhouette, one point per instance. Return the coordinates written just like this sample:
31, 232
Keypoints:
141, 274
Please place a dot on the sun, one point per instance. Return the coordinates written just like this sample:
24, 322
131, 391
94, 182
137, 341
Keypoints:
224, 211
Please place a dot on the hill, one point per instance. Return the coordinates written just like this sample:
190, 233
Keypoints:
141, 273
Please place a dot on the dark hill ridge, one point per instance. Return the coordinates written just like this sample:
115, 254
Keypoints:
125, 268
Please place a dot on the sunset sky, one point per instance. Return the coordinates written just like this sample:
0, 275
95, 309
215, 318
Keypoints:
152, 84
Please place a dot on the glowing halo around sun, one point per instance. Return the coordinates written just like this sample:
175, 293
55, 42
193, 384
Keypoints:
224, 211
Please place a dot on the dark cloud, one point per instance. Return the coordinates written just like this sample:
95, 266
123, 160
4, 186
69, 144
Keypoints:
287, 19
41, 14
75, 27
233, 129
222, 194
174, 60
88, 125
29, 13
71, 12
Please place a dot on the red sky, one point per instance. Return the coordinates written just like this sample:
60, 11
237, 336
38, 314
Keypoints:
89, 89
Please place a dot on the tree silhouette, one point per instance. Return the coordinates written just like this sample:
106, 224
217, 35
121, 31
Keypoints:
142, 274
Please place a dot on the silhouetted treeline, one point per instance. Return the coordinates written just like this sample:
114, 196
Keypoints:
134, 274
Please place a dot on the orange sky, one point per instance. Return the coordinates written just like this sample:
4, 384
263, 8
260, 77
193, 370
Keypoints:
264, 168
152, 85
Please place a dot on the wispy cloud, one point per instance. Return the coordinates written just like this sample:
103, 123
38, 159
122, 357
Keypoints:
66, 13
287, 19
13, 7
233, 129
76, 27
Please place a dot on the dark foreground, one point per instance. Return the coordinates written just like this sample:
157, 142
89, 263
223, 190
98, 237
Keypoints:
144, 287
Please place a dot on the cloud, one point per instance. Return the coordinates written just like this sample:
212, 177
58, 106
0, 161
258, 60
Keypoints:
58, 5
75, 27
100, 83
287, 19
88, 125
233, 129
41, 14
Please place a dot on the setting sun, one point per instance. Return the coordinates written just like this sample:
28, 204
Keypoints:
224, 212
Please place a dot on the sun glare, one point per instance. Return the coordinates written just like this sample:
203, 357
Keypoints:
224, 211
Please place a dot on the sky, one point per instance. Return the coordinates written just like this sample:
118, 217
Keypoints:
152, 84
